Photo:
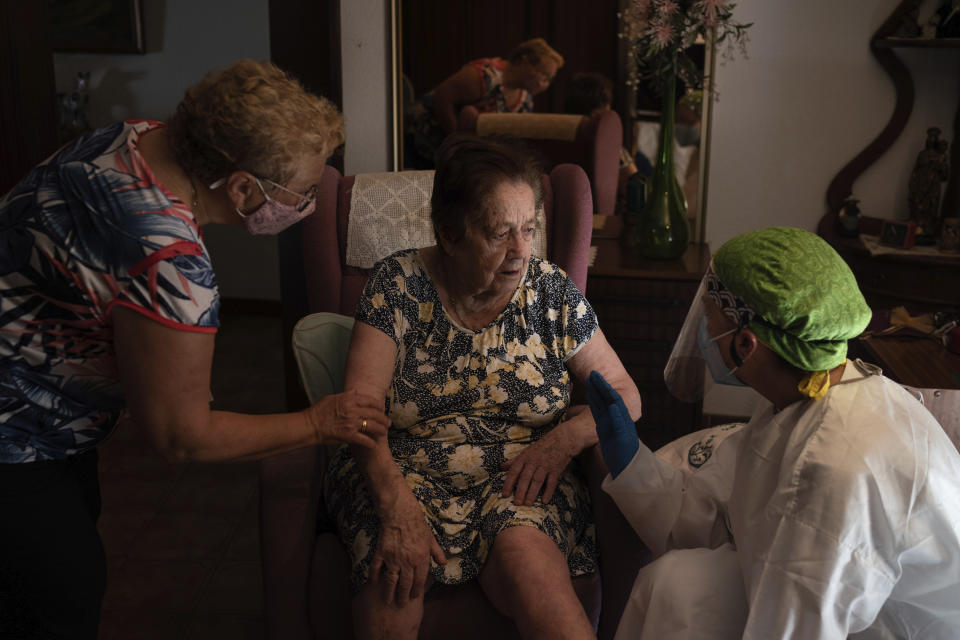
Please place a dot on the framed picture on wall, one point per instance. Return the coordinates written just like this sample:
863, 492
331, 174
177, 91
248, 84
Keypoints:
96, 26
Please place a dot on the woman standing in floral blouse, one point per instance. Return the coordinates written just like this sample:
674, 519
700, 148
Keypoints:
478, 472
108, 303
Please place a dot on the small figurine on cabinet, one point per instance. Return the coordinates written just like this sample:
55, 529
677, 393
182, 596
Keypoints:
950, 235
849, 218
929, 30
923, 190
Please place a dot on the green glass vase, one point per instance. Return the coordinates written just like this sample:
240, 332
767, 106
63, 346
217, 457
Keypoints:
662, 231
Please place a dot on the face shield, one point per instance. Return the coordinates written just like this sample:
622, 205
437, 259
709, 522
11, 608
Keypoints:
684, 373
696, 350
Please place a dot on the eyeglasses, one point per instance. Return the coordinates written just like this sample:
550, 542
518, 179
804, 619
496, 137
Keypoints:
305, 198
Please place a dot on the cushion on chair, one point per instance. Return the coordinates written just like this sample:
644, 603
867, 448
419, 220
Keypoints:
320, 344
388, 212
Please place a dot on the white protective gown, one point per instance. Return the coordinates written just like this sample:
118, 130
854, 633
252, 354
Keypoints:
833, 517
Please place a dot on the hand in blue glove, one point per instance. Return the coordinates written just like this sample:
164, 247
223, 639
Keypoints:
615, 428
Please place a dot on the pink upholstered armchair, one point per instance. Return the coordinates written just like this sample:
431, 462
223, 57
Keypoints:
591, 142
305, 572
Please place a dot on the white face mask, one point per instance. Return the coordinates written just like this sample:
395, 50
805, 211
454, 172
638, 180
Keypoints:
711, 355
272, 217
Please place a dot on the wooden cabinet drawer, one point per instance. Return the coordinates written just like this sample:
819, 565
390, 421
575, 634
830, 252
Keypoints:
638, 335
631, 314
605, 286
887, 280
641, 302
651, 305
642, 364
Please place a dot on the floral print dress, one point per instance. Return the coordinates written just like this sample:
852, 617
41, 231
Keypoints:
462, 402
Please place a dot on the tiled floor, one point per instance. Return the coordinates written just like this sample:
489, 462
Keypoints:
181, 540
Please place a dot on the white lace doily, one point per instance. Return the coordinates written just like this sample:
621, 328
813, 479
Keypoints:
391, 211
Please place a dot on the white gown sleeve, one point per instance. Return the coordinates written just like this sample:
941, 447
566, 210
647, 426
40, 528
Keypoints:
671, 504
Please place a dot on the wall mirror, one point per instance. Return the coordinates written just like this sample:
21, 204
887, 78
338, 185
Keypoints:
432, 39
96, 26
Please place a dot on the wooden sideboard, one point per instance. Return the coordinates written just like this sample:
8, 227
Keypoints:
920, 283
641, 305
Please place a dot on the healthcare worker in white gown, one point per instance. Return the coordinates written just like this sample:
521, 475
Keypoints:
833, 513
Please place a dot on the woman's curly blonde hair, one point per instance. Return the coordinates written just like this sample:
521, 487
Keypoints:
535, 51
251, 116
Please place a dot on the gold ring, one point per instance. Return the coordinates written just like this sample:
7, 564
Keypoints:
363, 425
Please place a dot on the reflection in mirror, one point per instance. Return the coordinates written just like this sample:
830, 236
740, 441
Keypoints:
435, 39
692, 112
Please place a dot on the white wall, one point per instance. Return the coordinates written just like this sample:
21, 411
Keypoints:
184, 40
365, 54
809, 97
805, 101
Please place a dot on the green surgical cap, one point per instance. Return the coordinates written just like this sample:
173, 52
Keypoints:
806, 298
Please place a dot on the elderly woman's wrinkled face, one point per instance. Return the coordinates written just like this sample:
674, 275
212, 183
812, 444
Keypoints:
494, 254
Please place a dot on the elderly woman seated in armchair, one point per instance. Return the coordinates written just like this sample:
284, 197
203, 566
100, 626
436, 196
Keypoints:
472, 343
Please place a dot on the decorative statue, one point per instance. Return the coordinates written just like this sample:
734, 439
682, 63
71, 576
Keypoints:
923, 194
849, 218
950, 235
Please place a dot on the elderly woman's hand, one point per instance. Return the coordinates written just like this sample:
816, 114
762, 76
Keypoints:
349, 417
401, 563
539, 466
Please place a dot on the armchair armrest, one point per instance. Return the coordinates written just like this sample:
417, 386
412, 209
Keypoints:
290, 486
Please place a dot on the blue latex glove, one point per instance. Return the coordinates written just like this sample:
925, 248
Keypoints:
615, 428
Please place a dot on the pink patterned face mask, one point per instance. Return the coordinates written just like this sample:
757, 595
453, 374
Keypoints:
272, 217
